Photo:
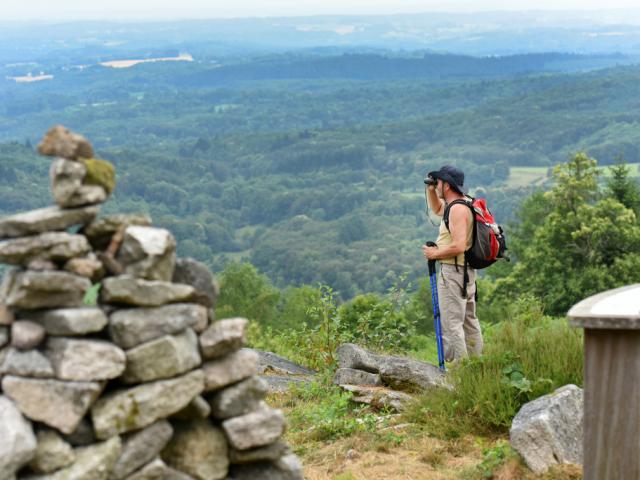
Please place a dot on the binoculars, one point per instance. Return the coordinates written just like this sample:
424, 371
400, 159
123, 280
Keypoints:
429, 180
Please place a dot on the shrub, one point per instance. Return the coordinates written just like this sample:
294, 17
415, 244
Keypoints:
525, 357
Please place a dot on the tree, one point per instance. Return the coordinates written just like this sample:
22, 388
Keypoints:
623, 187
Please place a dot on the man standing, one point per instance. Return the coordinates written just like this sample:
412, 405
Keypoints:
460, 326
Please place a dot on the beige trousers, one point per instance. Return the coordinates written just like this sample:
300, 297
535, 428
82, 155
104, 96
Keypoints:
461, 334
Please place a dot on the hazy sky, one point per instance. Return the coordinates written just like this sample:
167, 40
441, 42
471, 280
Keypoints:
163, 9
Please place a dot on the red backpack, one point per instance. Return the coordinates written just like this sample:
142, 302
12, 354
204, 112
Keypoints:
488, 242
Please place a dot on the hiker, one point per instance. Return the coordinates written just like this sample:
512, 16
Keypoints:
461, 332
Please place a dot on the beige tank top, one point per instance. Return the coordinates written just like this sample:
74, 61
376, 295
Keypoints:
444, 238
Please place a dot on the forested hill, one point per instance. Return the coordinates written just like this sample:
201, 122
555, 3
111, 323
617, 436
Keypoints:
315, 178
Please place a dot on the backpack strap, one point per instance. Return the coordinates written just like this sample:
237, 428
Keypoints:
445, 219
459, 201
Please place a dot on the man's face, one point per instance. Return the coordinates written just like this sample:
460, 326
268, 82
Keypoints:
440, 189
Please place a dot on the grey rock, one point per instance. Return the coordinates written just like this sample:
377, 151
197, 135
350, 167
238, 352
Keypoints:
229, 369
350, 376
378, 397
60, 405
83, 435
45, 220
148, 253
154, 470
256, 429
198, 408
163, 357
282, 383
141, 447
26, 363
49, 246
101, 230
6, 315
88, 267
397, 372
239, 399
26, 335
93, 462
52, 454
69, 321
198, 449
18, 444
198, 275
271, 362
131, 327
548, 430
267, 453
286, 468
130, 409
4, 336
41, 265
67, 185
223, 337
59, 141
36, 290
127, 290
84, 360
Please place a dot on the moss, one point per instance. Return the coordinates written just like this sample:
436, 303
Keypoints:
100, 172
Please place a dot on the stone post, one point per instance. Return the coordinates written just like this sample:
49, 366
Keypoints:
611, 322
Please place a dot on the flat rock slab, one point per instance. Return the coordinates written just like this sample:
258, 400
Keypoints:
52, 454
69, 321
397, 372
18, 444
548, 430
229, 369
45, 220
127, 290
163, 357
267, 453
131, 409
277, 364
199, 449
26, 335
223, 337
37, 290
350, 376
85, 360
49, 246
198, 275
26, 363
282, 383
378, 397
256, 429
239, 399
141, 447
286, 468
131, 327
60, 405
148, 252
101, 230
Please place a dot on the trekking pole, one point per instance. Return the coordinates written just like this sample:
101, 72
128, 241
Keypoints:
436, 309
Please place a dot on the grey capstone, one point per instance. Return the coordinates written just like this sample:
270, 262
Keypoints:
52, 454
163, 357
126, 410
275, 363
69, 321
223, 337
131, 327
256, 429
26, 363
18, 444
548, 430
35, 290
49, 246
148, 253
350, 376
141, 447
85, 360
59, 141
198, 275
45, 220
229, 369
26, 335
239, 399
127, 290
60, 405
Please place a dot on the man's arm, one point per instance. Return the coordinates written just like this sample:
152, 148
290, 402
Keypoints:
436, 204
458, 226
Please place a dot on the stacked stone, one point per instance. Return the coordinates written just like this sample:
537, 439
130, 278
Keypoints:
145, 385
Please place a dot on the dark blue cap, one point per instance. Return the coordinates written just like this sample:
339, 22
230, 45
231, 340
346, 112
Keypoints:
452, 175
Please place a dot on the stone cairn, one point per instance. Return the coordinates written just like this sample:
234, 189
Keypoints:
144, 385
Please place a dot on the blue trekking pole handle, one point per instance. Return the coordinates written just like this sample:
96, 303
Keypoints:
436, 309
